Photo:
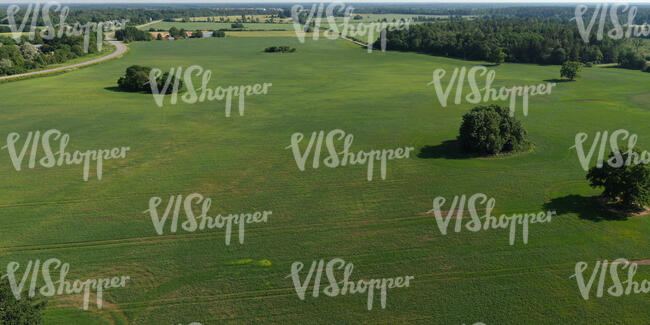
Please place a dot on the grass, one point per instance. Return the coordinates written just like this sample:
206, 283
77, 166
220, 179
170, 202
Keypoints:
241, 163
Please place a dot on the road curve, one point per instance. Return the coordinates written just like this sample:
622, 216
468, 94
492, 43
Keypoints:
120, 49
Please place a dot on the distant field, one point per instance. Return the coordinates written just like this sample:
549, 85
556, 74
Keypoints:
216, 26
381, 226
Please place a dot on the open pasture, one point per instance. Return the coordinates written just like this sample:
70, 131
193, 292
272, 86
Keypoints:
381, 226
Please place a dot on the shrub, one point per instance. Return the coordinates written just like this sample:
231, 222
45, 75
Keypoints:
629, 185
491, 130
589, 64
281, 49
218, 33
237, 25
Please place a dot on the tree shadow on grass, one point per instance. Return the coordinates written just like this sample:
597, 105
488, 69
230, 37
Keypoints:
449, 149
585, 207
115, 89
120, 90
558, 80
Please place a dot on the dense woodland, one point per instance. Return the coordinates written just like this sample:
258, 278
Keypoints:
532, 40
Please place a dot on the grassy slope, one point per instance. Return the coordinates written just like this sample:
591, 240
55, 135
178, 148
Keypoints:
241, 163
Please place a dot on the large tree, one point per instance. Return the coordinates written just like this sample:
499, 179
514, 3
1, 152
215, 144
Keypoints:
570, 69
491, 130
627, 182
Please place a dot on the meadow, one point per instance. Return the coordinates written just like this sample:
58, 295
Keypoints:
380, 226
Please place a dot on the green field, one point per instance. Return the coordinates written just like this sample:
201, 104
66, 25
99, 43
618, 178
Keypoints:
164, 25
380, 226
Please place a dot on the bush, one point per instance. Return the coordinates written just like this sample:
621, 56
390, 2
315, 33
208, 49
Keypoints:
491, 130
281, 49
647, 69
237, 25
628, 185
589, 64
218, 33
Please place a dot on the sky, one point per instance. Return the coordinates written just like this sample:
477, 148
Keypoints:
349, 1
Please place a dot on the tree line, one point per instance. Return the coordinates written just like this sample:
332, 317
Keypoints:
531, 40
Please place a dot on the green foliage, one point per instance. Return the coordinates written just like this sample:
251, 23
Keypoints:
24, 311
497, 56
570, 69
197, 34
281, 49
132, 34
159, 37
543, 41
136, 79
629, 183
24, 56
218, 33
237, 26
630, 59
491, 130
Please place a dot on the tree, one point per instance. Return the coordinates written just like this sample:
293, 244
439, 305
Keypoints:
197, 34
159, 37
135, 79
497, 56
18, 312
491, 130
558, 56
570, 69
29, 51
631, 60
628, 184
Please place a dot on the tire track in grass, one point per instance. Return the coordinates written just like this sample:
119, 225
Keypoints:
154, 239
